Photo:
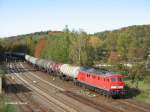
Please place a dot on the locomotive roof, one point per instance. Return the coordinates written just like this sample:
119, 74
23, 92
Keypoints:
99, 71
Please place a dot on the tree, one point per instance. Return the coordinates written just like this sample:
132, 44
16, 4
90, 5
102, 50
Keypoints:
31, 45
39, 47
80, 50
137, 73
123, 42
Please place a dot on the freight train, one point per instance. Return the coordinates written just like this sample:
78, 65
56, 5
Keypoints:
99, 80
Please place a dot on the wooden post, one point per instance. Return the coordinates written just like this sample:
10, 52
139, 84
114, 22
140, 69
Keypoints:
0, 85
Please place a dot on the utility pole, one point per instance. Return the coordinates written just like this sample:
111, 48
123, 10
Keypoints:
147, 63
0, 84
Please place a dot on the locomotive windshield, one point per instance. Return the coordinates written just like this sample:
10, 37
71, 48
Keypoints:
113, 79
119, 79
116, 79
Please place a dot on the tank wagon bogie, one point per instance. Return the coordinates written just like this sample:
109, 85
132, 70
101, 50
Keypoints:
57, 67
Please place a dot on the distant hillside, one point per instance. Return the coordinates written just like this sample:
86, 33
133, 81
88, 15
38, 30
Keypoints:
126, 43
128, 40
140, 30
20, 42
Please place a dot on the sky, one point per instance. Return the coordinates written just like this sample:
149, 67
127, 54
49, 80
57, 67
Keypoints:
27, 16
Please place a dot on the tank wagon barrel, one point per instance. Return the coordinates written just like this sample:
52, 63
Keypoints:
70, 71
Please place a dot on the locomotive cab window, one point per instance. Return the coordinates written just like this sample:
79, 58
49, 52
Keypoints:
119, 79
88, 75
113, 79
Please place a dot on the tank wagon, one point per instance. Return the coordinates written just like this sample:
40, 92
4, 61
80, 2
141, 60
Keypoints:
32, 60
69, 71
15, 56
99, 80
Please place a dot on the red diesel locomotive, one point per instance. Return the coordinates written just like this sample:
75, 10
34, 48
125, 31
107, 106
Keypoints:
102, 81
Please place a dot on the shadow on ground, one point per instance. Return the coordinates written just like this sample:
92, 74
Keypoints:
16, 88
131, 92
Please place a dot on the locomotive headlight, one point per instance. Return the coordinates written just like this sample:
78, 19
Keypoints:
120, 87
116, 87
113, 87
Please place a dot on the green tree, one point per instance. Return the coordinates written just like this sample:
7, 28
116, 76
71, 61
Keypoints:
122, 45
80, 50
137, 73
31, 45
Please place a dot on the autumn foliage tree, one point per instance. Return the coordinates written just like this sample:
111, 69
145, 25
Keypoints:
40, 47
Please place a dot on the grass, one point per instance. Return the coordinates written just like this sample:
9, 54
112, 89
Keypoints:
143, 87
3, 98
8, 107
1, 103
1, 95
144, 96
5, 107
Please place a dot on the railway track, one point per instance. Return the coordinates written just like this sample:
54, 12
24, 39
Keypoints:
25, 97
57, 105
128, 103
72, 95
13, 98
18, 99
60, 98
53, 106
134, 105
